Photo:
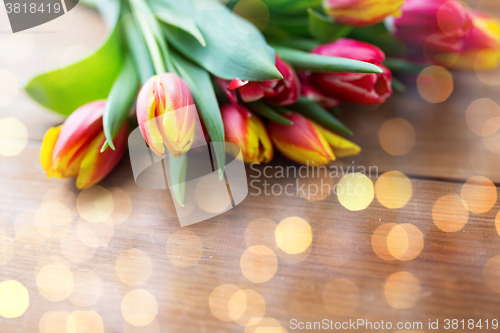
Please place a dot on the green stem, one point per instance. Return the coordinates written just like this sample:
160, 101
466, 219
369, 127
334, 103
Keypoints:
140, 8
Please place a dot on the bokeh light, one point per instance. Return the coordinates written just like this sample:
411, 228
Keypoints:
293, 235
167, 204
479, 116
64, 196
153, 327
259, 263
9, 88
139, 307
261, 232
402, 290
480, 194
219, 301
246, 307
266, 325
95, 204
13, 135
133, 267
497, 223
491, 274
450, 213
87, 288
340, 297
184, 248
54, 322
14, 299
397, 241
393, 189
435, 84
397, 137
85, 322
55, 282
379, 241
355, 191
53, 219
122, 205
392, 241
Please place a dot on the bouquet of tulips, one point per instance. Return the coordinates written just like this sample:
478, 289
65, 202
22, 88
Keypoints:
263, 74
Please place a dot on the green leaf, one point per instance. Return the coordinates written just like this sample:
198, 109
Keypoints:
137, 47
292, 6
178, 20
66, 89
315, 63
302, 44
266, 111
203, 92
234, 47
119, 102
324, 29
177, 167
318, 114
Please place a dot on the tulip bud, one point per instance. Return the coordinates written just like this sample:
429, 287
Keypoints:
314, 95
282, 92
73, 149
433, 26
249, 133
362, 12
358, 88
308, 143
481, 46
165, 114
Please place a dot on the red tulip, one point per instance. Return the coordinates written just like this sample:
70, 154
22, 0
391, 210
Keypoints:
249, 133
282, 92
353, 87
73, 148
308, 143
433, 26
362, 12
165, 114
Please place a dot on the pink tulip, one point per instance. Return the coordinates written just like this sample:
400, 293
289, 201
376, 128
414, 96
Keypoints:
353, 87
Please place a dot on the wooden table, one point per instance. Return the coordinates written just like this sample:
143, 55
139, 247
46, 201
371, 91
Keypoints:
139, 267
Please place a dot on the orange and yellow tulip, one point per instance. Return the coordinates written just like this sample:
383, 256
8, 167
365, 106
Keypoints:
308, 143
249, 133
73, 149
166, 114
362, 12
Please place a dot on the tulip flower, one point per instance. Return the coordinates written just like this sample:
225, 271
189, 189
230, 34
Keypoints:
73, 148
249, 133
314, 95
308, 143
165, 114
481, 46
282, 92
357, 88
433, 26
362, 12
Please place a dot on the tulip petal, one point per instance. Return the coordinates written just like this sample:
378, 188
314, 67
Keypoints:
96, 165
48, 144
237, 83
301, 142
341, 147
146, 116
78, 129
